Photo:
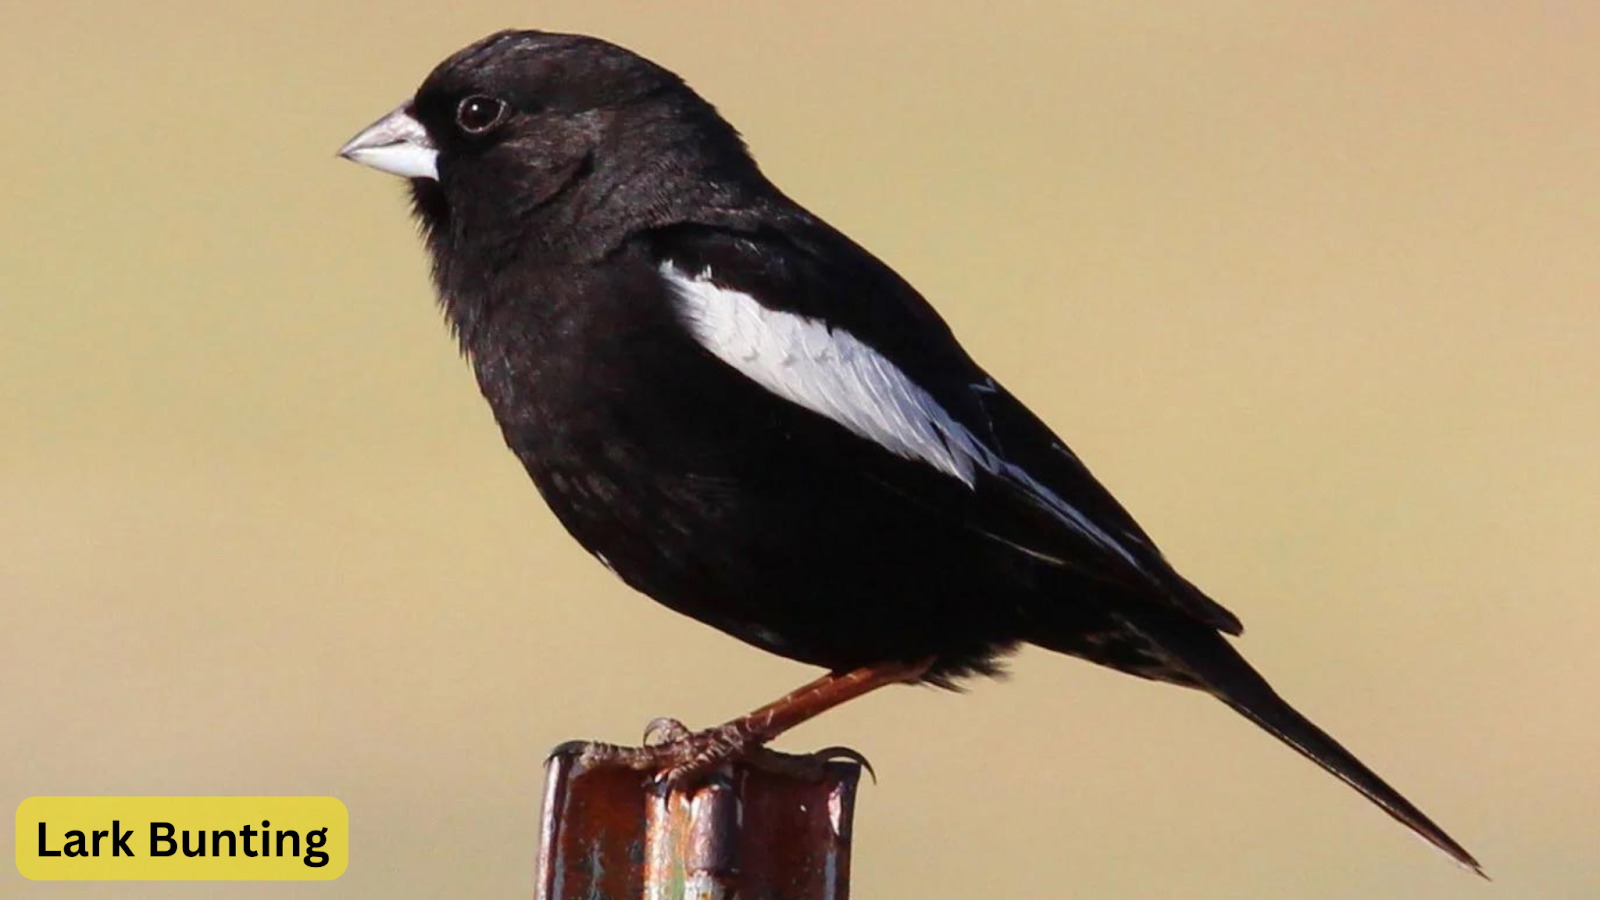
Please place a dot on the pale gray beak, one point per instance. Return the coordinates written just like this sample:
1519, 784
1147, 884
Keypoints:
397, 144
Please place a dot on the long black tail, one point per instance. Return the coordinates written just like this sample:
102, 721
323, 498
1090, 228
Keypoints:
1232, 680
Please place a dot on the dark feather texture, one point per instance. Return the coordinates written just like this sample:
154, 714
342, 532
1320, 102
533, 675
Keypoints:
754, 421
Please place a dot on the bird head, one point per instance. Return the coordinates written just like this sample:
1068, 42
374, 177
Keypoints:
553, 141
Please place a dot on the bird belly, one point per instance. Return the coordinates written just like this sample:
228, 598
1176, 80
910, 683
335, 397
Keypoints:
746, 512
798, 570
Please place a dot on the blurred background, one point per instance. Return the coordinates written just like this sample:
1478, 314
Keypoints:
1311, 287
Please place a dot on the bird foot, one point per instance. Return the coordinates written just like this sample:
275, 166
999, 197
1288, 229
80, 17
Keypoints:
678, 757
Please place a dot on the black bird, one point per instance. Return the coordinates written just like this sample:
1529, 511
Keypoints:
755, 422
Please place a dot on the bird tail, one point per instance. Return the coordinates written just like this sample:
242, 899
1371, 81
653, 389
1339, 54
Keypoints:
1227, 676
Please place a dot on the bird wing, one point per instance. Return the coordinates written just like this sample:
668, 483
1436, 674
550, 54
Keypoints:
815, 319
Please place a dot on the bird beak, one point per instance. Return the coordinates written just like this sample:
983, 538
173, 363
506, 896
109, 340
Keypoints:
397, 144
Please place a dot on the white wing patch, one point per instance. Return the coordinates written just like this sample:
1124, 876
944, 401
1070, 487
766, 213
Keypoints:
827, 371
832, 373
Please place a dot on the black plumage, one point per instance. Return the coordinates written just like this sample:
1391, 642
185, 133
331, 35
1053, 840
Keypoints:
754, 421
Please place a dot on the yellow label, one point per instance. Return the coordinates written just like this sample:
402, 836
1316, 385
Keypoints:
182, 838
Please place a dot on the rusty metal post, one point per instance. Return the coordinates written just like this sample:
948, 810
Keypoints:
744, 834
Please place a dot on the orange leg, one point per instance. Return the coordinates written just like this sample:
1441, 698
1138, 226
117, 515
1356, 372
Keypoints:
688, 755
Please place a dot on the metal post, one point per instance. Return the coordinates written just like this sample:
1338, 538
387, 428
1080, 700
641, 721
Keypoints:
743, 834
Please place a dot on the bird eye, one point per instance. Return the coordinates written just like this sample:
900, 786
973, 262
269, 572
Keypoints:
477, 114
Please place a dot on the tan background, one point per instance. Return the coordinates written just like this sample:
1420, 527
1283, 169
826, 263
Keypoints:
1313, 291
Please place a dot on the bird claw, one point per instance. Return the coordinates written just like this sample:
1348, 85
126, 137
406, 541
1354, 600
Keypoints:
809, 767
664, 730
695, 755
566, 748
674, 754
678, 757
836, 753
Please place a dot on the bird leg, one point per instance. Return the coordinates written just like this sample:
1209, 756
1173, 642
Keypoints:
679, 756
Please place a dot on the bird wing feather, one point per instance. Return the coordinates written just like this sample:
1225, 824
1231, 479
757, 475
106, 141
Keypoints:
818, 321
